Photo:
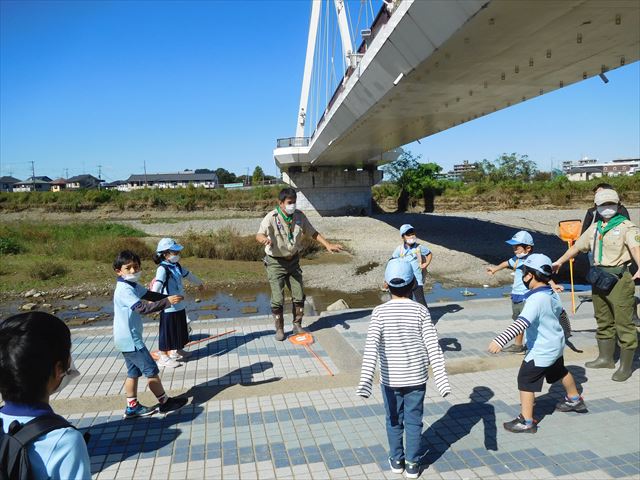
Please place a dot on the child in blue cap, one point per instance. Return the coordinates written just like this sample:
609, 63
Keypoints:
418, 255
402, 336
522, 244
173, 332
540, 318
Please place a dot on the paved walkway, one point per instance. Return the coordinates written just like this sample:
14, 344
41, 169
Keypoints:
261, 409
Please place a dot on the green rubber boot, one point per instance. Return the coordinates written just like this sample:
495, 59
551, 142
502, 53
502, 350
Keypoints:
624, 370
605, 355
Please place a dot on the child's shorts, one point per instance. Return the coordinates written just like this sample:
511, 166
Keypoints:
530, 377
140, 362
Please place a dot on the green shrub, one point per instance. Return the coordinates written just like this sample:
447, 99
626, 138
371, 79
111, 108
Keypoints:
48, 269
8, 246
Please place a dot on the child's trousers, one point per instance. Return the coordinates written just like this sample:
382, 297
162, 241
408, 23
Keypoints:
404, 406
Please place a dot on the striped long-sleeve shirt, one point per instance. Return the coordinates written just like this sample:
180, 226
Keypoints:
405, 341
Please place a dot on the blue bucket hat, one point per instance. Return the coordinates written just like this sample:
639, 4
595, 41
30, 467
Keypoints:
405, 228
540, 263
521, 238
398, 273
168, 244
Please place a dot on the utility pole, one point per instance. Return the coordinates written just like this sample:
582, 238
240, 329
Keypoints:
66, 172
99, 175
145, 174
33, 174
247, 176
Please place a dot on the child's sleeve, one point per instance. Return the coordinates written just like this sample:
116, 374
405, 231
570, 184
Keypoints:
370, 357
191, 277
512, 262
70, 458
424, 250
146, 308
436, 358
396, 253
160, 279
528, 315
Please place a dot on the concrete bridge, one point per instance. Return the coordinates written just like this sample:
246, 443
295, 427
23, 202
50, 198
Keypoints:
427, 66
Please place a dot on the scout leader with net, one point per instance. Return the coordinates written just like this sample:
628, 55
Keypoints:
281, 232
614, 242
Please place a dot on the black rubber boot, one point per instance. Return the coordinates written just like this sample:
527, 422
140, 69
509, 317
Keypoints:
605, 355
298, 313
624, 370
278, 319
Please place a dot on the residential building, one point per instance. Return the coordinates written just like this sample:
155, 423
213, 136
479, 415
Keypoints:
33, 184
83, 181
583, 162
7, 183
594, 169
120, 185
58, 185
172, 180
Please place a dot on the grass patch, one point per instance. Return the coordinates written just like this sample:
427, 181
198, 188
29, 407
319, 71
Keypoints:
9, 246
48, 269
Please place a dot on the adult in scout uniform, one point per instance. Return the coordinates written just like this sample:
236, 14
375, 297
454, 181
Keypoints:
614, 242
281, 233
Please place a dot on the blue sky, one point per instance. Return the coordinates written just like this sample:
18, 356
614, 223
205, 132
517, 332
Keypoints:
213, 84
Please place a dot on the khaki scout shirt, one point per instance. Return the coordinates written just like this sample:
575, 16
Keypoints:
616, 244
274, 227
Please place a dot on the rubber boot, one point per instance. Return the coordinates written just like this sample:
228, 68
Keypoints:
624, 370
605, 354
278, 319
298, 313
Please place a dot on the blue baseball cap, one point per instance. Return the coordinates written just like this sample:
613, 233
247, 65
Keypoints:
539, 262
406, 228
521, 238
398, 273
168, 244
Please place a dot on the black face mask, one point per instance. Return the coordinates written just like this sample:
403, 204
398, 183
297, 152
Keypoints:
527, 283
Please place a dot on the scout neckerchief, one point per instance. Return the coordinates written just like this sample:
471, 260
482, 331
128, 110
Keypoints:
611, 224
289, 221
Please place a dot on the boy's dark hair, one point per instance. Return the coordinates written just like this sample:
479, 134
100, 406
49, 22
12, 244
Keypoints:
31, 344
287, 193
539, 276
606, 186
125, 257
404, 292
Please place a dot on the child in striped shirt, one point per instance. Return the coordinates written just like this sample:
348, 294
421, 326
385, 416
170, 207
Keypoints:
402, 336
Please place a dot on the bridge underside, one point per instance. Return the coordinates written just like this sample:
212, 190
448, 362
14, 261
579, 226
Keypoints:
440, 63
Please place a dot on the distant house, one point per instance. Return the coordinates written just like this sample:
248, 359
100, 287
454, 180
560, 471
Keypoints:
33, 184
58, 185
117, 185
7, 183
172, 180
586, 172
83, 181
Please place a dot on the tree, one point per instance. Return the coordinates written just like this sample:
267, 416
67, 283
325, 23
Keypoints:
258, 176
509, 167
203, 170
395, 170
422, 181
225, 176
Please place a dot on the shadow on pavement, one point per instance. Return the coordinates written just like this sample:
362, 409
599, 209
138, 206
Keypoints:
147, 435
338, 318
226, 344
438, 312
458, 422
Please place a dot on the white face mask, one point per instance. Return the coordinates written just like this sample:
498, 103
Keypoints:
521, 255
410, 240
606, 211
290, 208
132, 277
174, 258
69, 375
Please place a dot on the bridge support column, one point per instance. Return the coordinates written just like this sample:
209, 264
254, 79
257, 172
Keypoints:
330, 191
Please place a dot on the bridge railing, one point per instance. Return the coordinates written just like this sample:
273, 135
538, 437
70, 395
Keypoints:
293, 142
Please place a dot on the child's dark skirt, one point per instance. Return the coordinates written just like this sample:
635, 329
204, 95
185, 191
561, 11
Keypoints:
173, 334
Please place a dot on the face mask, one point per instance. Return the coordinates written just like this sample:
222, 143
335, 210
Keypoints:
132, 277
521, 255
69, 375
606, 211
410, 240
290, 208
174, 258
527, 283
